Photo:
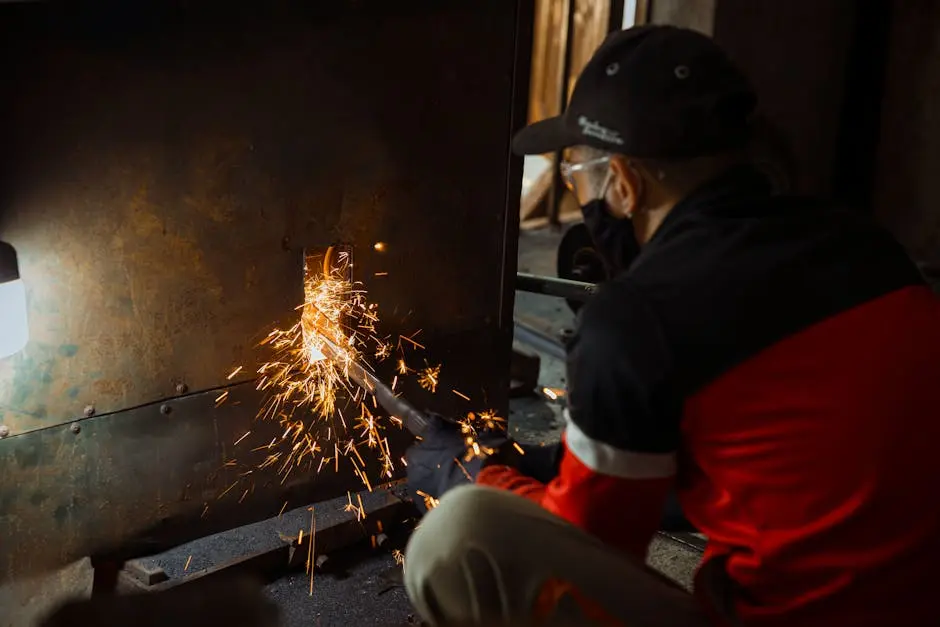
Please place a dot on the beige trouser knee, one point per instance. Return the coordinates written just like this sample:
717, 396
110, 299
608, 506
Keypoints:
482, 556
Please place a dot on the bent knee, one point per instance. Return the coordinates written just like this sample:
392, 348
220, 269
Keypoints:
469, 517
456, 557
476, 501
475, 514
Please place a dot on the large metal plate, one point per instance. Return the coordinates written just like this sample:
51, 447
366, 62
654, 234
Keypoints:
144, 480
166, 167
167, 170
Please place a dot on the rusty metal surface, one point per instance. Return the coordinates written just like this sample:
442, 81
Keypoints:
165, 168
138, 482
165, 179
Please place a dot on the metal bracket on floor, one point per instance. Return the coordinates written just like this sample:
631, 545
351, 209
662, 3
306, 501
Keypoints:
297, 553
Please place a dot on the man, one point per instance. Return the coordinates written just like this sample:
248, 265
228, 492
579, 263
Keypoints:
771, 358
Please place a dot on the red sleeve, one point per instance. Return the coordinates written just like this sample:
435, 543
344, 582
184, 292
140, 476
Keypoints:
508, 478
624, 513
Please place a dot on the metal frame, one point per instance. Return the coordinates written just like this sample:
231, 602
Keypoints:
551, 286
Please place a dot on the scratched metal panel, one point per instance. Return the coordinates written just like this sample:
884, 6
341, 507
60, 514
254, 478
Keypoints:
167, 170
164, 170
145, 480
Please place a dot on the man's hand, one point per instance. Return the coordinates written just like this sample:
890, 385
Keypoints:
540, 462
437, 462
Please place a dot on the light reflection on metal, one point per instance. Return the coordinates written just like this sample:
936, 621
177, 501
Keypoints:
14, 325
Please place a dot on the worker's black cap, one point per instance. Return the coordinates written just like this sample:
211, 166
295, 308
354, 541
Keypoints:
651, 91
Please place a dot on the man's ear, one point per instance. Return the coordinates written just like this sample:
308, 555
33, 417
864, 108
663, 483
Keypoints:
627, 189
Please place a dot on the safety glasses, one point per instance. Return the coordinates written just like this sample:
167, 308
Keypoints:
571, 172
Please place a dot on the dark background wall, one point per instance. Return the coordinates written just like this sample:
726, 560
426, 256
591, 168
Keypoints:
854, 87
907, 180
795, 54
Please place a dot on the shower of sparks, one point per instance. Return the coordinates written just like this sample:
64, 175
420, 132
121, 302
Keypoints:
399, 557
429, 378
323, 414
325, 417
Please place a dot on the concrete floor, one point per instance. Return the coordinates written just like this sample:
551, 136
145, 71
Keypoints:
367, 592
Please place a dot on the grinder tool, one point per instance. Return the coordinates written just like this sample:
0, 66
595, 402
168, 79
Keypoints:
337, 259
415, 421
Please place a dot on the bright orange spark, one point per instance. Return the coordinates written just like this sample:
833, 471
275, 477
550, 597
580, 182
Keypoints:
311, 397
429, 501
430, 377
410, 339
307, 380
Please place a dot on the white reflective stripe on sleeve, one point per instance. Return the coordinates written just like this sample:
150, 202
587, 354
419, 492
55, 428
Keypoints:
609, 460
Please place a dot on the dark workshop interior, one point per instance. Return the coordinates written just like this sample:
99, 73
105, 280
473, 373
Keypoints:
173, 173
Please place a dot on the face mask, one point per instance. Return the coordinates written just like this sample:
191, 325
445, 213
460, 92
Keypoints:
613, 238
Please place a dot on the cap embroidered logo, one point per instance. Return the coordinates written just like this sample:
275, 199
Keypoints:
590, 128
654, 91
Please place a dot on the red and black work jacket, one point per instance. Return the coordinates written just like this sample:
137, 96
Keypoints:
776, 361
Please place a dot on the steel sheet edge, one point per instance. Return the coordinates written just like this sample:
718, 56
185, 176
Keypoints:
166, 165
